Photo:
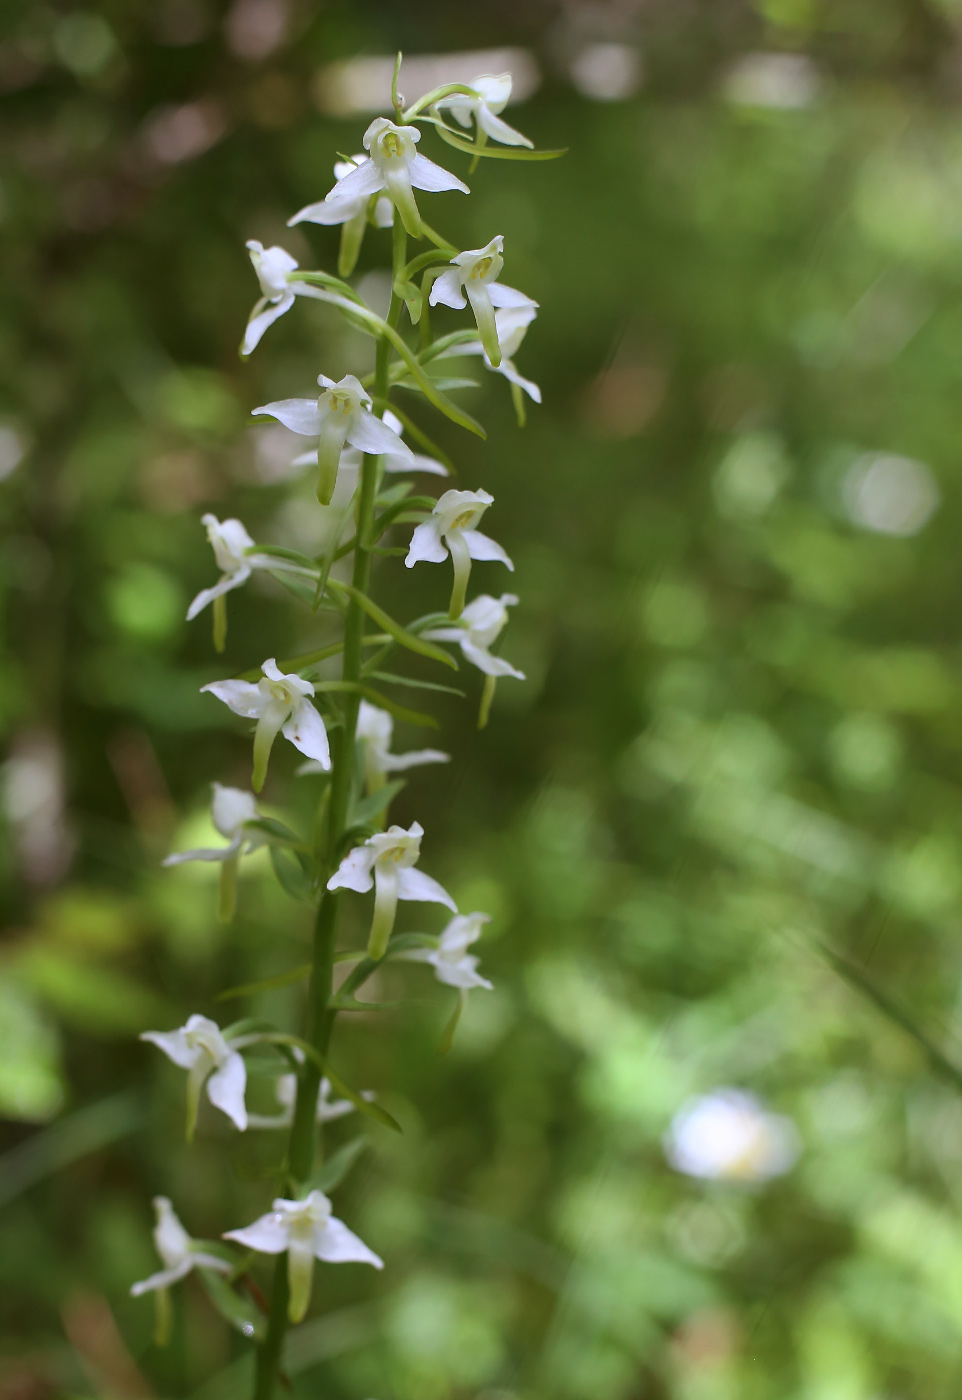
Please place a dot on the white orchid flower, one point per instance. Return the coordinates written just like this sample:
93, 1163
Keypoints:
178, 1252
341, 415
511, 324
452, 529
453, 964
395, 166
231, 810
200, 1048
237, 558
305, 1231
729, 1136
493, 94
474, 274
280, 704
328, 1109
387, 861
351, 214
394, 461
479, 627
273, 267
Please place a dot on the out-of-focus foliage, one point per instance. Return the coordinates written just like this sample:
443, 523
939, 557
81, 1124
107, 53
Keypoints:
719, 829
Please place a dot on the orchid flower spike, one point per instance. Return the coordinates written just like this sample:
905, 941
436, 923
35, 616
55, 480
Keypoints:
237, 558
280, 704
273, 267
305, 1231
178, 1252
387, 861
475, 274
493, 92
453, 964
328, 1109
511, 323
231, 810
393, 461
395, 166
209, 1058
352, 214
479, 627
342, 414
451, 529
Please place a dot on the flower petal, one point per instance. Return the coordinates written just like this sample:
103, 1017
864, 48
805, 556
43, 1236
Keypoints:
372, 436
414, 884
175, 1047
357, 184
447, 289
163, 1279
207, 595
305, 730
510, 372
226, 1089
499, 130
509, 296
483, 547
398, 762
354, 871
490, 665
426, 545
243, 697
300, 415
327, 211
425, 175
336, 1244
260, 320
205, 853
268, 1235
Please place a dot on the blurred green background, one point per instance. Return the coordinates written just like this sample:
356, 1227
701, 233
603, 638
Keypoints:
719, 828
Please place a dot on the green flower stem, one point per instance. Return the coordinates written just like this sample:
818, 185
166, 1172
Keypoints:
305, 1137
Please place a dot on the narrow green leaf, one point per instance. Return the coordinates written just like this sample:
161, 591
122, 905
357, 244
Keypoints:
330, 1175
242, 1313
291, 875
498, 152
394, 629
267, 984
401, 712
276, 831
368, 808
413, 684
275, 551
373, 1110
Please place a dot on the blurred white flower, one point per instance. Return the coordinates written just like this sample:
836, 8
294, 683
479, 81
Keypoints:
375, 729
890, 495
729, 1136
328, 1109
305, 1231
493, 95
235, 553
511, 324
178, 1252
201, 1049
231, 810
273, 267
476, 631
280, 705
387, 861
395, 166
453, 964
